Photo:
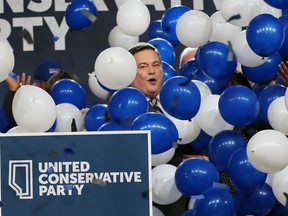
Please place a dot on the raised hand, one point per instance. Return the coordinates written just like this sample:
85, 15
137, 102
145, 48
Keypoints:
283, 72
14, 84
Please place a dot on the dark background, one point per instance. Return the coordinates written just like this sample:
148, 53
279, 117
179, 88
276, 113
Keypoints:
82, 47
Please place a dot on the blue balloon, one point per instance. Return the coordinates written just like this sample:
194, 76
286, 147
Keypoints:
265, 34
189, 68
283, 51
217, 53
155, 31
260, 202
196, 56
165, 49
79, 14
68, 91
201, 144
266, 97
217, 201
111, 126
180, 98
95, 117
265, 72
222, 146
284, 11
193, 176
216, 86
279, 210
169, 20
188, 213
238, 105
280, 4
243, 175
125, 105
163, 131
168, 71
257, 89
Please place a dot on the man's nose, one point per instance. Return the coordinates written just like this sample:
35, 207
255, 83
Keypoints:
151, 70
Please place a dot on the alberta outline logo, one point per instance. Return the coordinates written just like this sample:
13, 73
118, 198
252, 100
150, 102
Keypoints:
16, 167
62, 178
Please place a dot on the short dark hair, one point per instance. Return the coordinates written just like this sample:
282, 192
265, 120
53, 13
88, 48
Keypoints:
58, 76
238, 79
143, 46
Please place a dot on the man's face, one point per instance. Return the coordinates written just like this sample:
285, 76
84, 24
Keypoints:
149, 73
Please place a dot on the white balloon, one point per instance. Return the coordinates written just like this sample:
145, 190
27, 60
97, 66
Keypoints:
117, 38
244, 53
194, 28
267, 9
83, 112
217, 3
66, 112
209, 117
203, 88
191, 203
286, 98
18, 129
157, 212
246, 9
188, 130
133, 17
162, 158
120, 2
223, 31
95, 88
7, 60
115, 68
267, 151
280, 185
33, 109
269, 179
278, 115
164, 190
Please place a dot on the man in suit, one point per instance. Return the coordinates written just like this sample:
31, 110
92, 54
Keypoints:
149, 81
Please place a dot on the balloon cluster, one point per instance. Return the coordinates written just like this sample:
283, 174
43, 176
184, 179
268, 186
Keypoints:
35, 110
223, 48
202, 106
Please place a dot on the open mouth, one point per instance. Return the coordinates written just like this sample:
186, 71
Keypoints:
152, 80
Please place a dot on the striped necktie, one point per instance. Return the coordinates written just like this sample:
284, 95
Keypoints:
154, 107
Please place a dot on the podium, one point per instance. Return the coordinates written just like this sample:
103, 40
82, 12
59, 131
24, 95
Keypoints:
76, 174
